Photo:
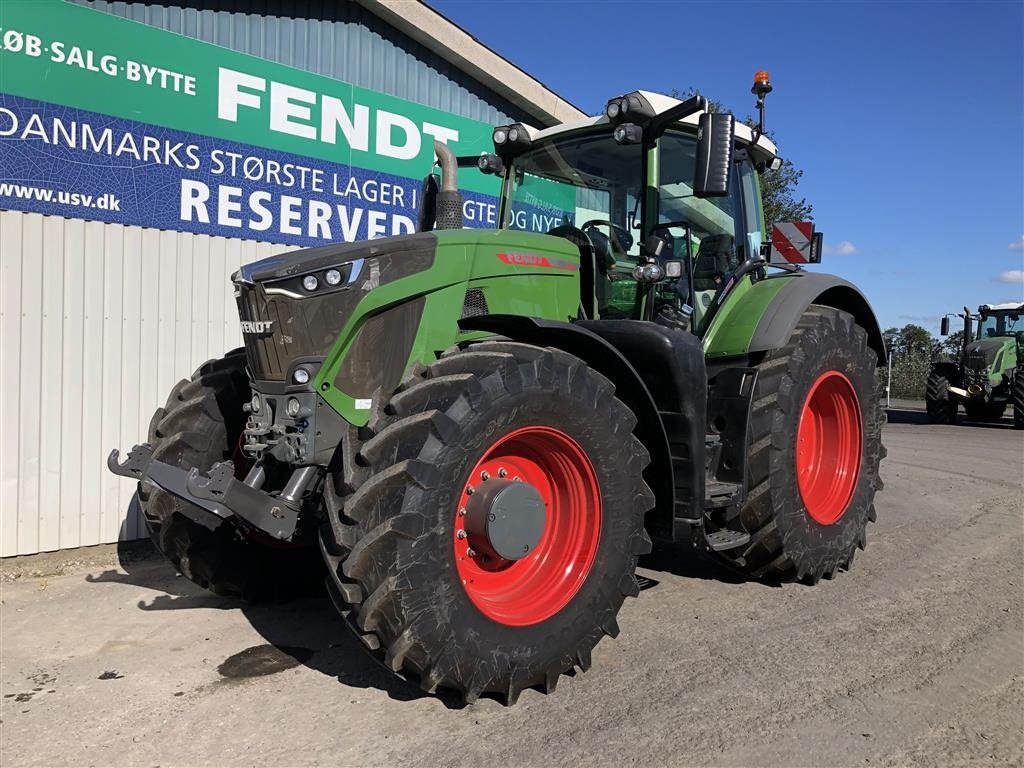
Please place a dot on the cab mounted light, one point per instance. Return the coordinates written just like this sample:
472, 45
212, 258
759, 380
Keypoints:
490, 164
762, 87
632, 107
628, 133
510, 140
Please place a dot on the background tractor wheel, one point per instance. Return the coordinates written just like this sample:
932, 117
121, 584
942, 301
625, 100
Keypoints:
494, 534
940, 406
815, 446
984, 411
201, 425
1018, 398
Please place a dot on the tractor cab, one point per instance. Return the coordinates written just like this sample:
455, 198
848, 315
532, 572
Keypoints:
661, 197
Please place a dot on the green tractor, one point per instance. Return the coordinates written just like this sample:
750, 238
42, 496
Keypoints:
482, 430
988, 374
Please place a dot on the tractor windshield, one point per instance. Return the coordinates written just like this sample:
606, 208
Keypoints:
1000, 324
588, 183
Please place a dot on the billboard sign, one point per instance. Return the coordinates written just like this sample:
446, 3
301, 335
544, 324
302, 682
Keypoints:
107, 119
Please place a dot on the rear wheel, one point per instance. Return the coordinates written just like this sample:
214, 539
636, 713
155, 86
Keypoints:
815, 448
494, 534
201, 425
1018, 398
939, 404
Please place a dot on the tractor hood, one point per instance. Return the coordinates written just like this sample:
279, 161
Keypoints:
292, 306
296, 307
991, 357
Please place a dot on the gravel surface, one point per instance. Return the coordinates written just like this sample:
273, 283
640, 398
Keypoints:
915, 657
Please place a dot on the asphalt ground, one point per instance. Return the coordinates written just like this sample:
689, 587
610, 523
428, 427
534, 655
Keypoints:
914, 658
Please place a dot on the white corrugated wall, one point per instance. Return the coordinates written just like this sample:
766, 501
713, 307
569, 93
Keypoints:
97, 323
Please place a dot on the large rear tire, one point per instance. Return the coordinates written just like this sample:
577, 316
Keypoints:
403, 571
201, 425
815, 437
941, 407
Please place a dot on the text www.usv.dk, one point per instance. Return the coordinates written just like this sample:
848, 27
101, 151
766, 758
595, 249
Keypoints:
106, 201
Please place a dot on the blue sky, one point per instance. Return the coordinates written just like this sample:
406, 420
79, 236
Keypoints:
907, 118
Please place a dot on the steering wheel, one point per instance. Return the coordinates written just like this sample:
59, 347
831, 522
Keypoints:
620, 238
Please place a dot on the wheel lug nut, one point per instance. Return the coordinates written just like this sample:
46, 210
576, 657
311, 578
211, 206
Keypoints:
461, 534
462, 511
471, 552
502, 472
485, 475
517, 479
469, 490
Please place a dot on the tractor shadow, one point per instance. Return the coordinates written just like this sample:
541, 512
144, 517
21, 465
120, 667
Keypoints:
908, 416
904, 416
306, 630
683, 560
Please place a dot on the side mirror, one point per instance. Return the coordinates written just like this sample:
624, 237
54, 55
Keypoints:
715, 133
427, 214
944, 326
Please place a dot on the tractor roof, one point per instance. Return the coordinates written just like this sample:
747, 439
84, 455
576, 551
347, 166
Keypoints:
763, 148
996, 307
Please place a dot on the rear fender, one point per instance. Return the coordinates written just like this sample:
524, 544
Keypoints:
629, 387
800, 291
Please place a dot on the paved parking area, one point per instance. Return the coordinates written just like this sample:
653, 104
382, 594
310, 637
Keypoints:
916, 657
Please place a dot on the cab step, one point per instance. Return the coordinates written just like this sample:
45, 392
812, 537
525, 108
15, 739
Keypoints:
718, 494
726, 539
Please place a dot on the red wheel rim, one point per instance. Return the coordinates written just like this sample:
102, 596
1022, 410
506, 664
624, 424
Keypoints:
828, 447
530, 590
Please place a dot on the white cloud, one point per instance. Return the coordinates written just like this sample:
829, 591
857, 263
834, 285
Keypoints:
1017, 245
842, 248
1011, 276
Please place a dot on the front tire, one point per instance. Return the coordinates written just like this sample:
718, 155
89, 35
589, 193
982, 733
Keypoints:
199, 426
404, 575
941, 407
815, 448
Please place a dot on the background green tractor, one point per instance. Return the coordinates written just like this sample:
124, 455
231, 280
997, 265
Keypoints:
988, 374
481, 431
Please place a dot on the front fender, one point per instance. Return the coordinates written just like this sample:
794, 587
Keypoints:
629, 387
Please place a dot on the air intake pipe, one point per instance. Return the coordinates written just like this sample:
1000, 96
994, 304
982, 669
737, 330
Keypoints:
449, 201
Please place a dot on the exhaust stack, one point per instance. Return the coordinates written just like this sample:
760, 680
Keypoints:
449, 201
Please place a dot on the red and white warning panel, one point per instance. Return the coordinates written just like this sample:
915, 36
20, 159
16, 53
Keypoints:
795, 242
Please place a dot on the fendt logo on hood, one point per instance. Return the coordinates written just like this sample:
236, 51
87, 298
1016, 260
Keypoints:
257, 326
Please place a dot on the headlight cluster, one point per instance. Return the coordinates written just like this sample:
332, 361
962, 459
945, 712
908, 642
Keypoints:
331, 278
651, 272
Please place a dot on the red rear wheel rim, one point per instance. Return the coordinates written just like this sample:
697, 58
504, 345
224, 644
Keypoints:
530, 590
828, 447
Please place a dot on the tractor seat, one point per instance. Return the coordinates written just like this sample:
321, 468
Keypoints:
716, 257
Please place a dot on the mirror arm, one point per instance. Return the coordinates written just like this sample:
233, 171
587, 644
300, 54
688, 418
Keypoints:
691, 106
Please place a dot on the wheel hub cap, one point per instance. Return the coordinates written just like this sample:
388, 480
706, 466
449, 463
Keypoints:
505, 519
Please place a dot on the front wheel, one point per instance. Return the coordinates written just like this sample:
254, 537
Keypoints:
815, 444
939, 404
496, 533
200, 425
